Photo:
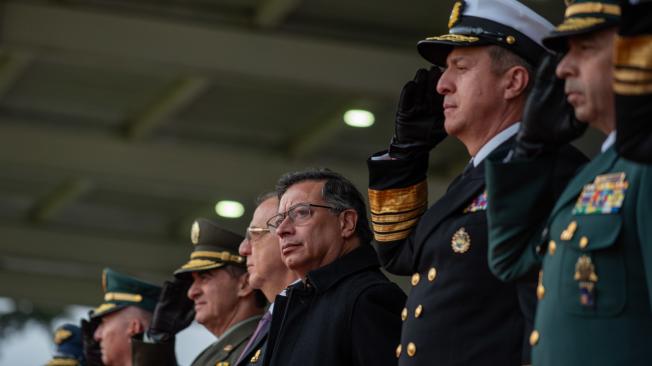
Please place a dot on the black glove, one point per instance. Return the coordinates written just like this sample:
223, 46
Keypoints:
174, 311
419, 124
92, 351
633, 109
548, 120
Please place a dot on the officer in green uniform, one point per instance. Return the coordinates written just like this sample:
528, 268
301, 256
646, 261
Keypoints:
593, 243
126, 310
69, 349
215, 282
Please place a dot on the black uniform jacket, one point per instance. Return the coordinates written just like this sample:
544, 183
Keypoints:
458, 312
345, 313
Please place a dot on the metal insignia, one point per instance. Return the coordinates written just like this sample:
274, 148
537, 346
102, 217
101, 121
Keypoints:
458, 7
104, 281
255, 358
461, 241
586, 278
194, 233
61, 335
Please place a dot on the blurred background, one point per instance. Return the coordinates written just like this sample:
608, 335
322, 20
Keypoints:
121, 121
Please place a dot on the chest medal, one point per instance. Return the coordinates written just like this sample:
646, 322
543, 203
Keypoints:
604, 196
461, 241
586, 278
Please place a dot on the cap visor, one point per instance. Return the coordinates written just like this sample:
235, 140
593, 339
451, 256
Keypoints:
106, 308
195, 265
558, 40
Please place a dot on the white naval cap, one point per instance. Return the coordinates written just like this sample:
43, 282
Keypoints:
506, 23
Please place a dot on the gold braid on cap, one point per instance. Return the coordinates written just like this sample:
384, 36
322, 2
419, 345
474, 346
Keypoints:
223, 256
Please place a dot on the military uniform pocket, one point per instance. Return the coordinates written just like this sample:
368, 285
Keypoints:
593, 267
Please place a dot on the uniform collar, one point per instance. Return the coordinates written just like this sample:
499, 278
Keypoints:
495, 141
253, 319
359, 259
609, 141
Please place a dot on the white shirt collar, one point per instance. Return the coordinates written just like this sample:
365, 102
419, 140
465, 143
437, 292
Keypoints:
609, 141
495, 141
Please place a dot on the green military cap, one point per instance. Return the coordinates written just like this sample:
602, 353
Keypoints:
581, 17
213, 247
121, 291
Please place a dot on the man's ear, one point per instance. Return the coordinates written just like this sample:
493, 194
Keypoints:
516, 80
244, 287
348, 222
136, 326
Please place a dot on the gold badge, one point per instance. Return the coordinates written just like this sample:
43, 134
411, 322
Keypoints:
255, 358
458, 7
194, 233
461, 241
586, 278
61, 335
567, 234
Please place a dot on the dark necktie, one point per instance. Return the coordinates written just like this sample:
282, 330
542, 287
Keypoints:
262, 324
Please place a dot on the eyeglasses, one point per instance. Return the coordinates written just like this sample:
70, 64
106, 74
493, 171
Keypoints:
255, 233
298, 214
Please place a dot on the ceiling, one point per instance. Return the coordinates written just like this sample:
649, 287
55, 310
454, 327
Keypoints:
123, 120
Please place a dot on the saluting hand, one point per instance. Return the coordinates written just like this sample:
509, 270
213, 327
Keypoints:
92, 351
548, 120
174, 311
419, 124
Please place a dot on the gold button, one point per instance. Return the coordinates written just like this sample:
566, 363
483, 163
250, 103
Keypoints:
584, 242
418, 311
540, 291
534, 338
398, 351
552, 247
404, 314
415, 279
511, 40
411, 349
432, 273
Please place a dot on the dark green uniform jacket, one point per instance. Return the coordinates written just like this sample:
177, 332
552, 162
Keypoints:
457, 312
595, 245
346, 313
221, 353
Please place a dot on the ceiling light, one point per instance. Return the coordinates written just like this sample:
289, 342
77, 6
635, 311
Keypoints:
359, 118
229, 209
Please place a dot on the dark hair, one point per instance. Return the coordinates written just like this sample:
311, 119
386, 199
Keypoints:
236, 272
338, 191
503, 59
